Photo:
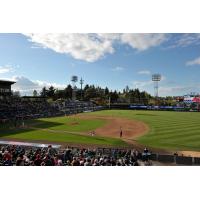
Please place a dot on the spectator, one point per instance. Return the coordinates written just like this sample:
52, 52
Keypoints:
32, 156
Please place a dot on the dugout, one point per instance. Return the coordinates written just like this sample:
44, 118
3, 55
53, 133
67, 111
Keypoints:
5, 89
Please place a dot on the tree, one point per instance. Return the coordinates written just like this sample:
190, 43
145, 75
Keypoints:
127, 89
59, 94
68, 92
51, 92
90, 93
43, 93
106, 91
35, 93
114, 96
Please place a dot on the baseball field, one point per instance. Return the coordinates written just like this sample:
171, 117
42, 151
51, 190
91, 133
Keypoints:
155, 129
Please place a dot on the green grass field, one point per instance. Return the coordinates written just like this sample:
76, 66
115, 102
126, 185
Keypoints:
168, 130
59, 129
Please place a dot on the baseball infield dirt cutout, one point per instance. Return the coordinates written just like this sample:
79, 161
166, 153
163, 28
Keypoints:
130, 128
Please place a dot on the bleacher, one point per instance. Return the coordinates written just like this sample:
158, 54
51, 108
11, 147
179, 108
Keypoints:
73, 107
18, 108
21, 155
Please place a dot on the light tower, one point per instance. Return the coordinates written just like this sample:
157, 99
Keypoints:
156, 78
81, 82
74, 79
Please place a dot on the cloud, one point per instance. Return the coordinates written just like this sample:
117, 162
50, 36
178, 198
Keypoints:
87, 47
188, 39
92, 47
117, 69
26, 86
143, 41
183, 40
193, 62
177, 90
42, 84
6, 69
145, 72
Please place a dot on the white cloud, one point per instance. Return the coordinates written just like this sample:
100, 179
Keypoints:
92, 47
145, 72
116, 69
143, 41
110, 36
26, 86
42, 84
193, 62
188, 39
183, 40
176, 90
88, 47
6, 69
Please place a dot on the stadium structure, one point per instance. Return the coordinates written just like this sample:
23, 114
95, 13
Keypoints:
5, 89
30, 123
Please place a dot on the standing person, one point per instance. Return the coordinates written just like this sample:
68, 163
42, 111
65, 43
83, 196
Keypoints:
93, 133
121, 133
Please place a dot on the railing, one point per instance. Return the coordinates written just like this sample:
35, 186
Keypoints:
178, 160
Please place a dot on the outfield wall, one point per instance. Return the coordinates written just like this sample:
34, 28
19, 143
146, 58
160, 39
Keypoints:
144, 107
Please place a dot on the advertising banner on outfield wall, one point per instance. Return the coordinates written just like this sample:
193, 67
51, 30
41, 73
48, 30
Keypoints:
192, 99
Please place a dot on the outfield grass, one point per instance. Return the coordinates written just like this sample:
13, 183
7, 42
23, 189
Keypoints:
59, 129
168, 130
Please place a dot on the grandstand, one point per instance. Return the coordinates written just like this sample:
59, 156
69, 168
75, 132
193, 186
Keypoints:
73, 107
48, 156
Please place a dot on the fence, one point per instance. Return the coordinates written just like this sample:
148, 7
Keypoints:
179, 160
164, 158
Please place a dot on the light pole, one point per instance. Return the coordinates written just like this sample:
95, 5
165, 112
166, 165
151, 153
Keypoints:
156, 78
81, 82
74, 79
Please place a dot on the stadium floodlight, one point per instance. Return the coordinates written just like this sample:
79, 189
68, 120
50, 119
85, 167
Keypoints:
156, 78
81, 82
74, 79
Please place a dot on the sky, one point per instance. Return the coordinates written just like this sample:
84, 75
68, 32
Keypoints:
114, 60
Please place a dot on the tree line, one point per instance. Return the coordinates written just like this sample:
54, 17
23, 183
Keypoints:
98, 94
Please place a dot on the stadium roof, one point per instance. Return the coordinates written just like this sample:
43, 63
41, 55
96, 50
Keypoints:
5, 81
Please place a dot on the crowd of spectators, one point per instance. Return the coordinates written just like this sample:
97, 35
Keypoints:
31, 156
26, 108
13, 109
72, 107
